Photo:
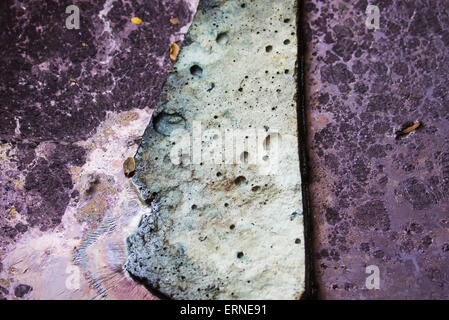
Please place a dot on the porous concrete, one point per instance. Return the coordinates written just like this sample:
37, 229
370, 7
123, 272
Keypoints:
227, 218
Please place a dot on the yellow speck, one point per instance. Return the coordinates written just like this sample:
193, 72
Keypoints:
174, 20
136, 20
72, 80
12, 210
174, 50
83, 44
170, 71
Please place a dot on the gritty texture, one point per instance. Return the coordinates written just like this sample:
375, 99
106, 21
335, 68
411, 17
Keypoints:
227, 218
378, 199
39, 103
73, 106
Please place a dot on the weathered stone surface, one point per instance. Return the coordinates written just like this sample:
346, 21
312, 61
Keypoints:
227, 218
378, 199
73, 106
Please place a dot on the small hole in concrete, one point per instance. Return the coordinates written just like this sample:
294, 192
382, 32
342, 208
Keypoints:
196, 70
194, 207
222, 38
240, 254
286, 41
298, 241
244, 157
268, 48
273, 137
232, 226
239, 180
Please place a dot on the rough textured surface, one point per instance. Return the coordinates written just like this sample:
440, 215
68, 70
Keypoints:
378, 200
73, 106
227, 218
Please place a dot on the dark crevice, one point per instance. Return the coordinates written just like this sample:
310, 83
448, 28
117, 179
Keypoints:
311, 289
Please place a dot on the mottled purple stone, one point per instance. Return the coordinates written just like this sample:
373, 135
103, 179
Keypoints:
379, 200
39, 58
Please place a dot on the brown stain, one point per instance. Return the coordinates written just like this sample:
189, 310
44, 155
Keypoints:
94, 210
321, 119
126, 118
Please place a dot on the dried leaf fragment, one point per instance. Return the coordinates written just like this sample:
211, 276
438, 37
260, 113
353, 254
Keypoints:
174, 21
129, 166
174, 50
136, 20
409, 129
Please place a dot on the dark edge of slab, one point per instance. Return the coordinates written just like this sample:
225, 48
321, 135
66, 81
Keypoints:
155, 292
310, 288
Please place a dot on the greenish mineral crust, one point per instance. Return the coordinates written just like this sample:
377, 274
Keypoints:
219, 163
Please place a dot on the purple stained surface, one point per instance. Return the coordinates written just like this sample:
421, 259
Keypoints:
378, 200
58, 84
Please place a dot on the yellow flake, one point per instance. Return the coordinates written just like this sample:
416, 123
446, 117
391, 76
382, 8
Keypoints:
136, 20
12, 210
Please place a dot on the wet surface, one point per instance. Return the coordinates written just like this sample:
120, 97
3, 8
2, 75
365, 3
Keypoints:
57, 87
379, 199
58, 84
